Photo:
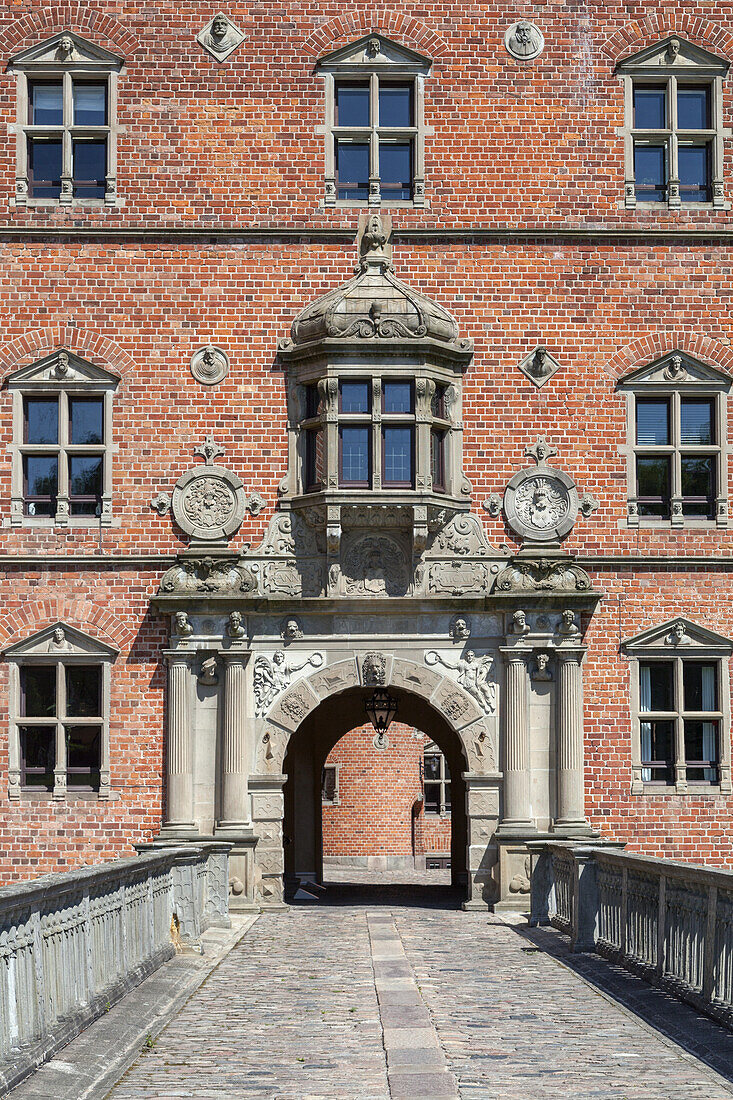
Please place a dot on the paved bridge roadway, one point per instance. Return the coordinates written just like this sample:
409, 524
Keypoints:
408, 997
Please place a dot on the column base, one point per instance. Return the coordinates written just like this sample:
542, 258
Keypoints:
573, 828
186, 830
513, 828
233, 830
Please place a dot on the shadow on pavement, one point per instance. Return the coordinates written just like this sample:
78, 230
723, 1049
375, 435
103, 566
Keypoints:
408, 895
689, 1029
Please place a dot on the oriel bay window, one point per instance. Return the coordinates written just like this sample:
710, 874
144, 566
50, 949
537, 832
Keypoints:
680, 721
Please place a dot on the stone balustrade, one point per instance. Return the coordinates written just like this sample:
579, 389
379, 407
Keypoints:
669, 923
72, 944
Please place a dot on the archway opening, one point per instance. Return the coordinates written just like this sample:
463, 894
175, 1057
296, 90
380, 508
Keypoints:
365, 823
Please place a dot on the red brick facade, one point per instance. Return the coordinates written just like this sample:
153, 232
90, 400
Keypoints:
221, 236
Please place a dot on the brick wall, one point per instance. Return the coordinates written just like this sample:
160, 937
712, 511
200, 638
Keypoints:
235, 145
379, 792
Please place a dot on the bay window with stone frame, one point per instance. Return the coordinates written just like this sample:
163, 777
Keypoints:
66, 124
436, 781
62, 443
680, 709
676, 444
374, 126
59, 715
673, 131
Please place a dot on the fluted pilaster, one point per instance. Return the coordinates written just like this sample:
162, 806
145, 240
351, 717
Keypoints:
235, 749
570, 749
179, 750
516, 741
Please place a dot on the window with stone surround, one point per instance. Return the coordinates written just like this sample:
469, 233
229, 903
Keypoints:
66, 128
677, 444
375, 129
673, 131
436, 781
62, 443
330, 785
59, 715
680, 709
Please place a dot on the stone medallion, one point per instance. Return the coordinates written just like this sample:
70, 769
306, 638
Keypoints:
524, 40
209, 501
209, 365
541, 503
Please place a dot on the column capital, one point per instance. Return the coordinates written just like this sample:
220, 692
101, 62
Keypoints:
572, 653
179, 656
234, 656
515, 654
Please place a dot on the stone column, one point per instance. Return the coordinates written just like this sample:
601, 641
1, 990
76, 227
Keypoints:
570, 754
516, 745
179, 750
235, 749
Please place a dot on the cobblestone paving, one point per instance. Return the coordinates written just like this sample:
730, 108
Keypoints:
391, 993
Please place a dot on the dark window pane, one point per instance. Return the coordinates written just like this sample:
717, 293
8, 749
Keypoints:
352, 171
41, 420
352, 104
44, 168
694, 168
355, 397
312, 402
447, 796
38, 692
328, 784
701, 751
398, 448
84, 691
90, 104
85, 481
650, 109
693, 108
652, 422
432, 766
656, 691
432, 798
437, 459
395, 105
314, 460
701, 686
355, 456
650, 170
652, 486
657, 759
47, 104
437, 403
398, 397
696, 421
90, 169
41, 484
698, 486
87, 419
83, 755
37, 756
395, 170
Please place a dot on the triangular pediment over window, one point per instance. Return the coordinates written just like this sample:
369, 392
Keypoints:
674, 53
60, 640
62, 367
677, 368
66, 49
677, 636
374, 51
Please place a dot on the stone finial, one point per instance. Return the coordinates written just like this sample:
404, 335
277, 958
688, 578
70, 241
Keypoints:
541, 451
373, 241
209, 450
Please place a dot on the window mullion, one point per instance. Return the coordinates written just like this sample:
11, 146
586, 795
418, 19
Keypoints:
673, 194
59, 784
377, 433
67, 167
62, 491
680, 770
374, 190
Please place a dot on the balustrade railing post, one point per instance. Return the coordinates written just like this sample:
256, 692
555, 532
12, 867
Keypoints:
40, 990
708, 973
661, 925
585, 901
623, 931
540, 887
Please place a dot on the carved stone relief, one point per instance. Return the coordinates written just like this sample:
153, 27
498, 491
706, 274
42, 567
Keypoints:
375, 565
283, 578
209, 365
335, 678
462, 535
541, 503
270, 677
209, 574
459, 629
678, 635
542, 575
209, 501
220, 37
291, 630
473, 675
374, 669
481, 748
539, 366
524, 40
457, 578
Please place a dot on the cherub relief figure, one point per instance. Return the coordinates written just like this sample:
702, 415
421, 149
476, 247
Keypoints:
270, 677
473, 676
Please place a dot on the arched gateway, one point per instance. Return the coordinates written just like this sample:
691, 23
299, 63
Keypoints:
373, 572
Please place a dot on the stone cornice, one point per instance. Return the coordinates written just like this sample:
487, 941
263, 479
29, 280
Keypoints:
307, 234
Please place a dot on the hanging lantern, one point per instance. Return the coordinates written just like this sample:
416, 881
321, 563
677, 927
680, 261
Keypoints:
381, 710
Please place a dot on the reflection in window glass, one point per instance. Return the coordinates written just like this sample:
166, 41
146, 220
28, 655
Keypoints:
355, 456
395, 170
694, 170
38, 691
398, 456
352, 171
398, 397
86, 420
652, 485
90, 168
355, 397
83, 756
652, 422
650, 108
85, 480
696, 421
693, 108
90, 104
41, 420
41, 484
395, 105
37, 756
84, 691
44, 168
46, 104
650, 170
352, 104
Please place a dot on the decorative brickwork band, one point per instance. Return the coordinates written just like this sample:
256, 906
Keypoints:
570, 756
179, 756
516, 751
234, 791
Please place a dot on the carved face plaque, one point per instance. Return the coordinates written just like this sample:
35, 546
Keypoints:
541, 504
524, 40
220, 37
